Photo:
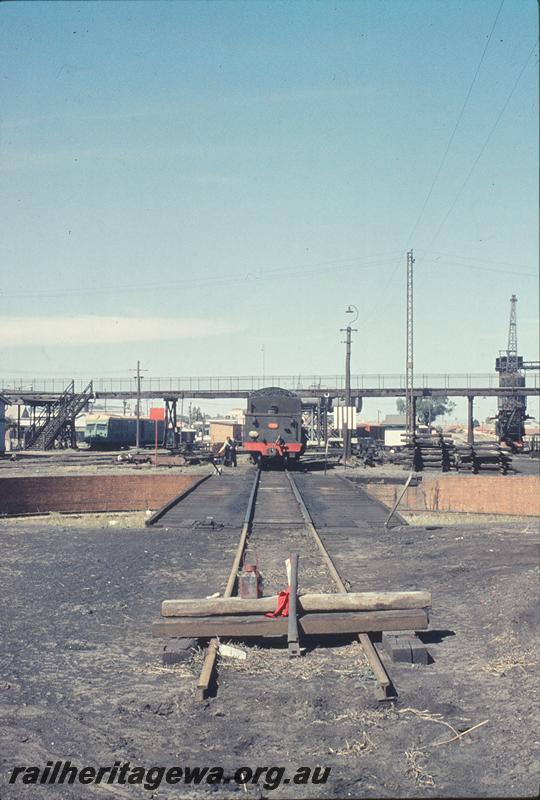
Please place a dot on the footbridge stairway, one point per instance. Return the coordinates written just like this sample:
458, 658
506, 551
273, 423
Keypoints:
56, 422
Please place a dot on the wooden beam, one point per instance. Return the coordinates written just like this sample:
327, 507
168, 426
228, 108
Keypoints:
310, 624
307, 603
293, 639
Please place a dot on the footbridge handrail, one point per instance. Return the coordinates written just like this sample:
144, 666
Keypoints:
246, 383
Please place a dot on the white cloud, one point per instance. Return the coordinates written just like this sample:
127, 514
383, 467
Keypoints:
88, 329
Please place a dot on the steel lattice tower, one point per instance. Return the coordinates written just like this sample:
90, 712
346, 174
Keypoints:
512, 350
512, 412
409, 364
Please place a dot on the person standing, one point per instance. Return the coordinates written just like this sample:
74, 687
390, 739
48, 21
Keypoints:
228, 448
232, 452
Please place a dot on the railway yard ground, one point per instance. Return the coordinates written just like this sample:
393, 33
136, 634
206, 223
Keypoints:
82, 677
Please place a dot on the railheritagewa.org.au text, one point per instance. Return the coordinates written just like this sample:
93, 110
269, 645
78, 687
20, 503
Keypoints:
64, 772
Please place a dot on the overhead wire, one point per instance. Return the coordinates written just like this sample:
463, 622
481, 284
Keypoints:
485, 144
216, 279
467, 257
449, 262
444, 157
456, 126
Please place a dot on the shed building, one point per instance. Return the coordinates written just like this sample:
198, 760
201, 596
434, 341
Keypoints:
221, 428
3, 403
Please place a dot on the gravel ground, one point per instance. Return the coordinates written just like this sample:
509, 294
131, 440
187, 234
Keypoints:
82, 677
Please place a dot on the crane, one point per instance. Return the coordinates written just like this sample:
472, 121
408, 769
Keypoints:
512, 409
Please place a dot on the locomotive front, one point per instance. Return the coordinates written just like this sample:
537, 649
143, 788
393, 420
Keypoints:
273, 425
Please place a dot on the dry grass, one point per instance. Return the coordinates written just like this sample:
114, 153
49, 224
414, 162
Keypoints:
276, 662
445, 518
185, 669
512, 660
361, 716
426, 715
181, 670
512, 656
418, 771
119, 520
355, 747
429, 717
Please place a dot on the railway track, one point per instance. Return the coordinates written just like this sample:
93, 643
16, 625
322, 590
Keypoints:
277, 523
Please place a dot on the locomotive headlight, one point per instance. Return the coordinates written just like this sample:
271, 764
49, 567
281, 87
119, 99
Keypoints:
253, 434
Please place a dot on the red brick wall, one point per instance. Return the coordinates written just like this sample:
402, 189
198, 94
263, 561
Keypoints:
90, 493
489, 494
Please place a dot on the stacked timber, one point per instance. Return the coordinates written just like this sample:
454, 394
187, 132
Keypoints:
403, 458
318, 614
431, 451
464, 457
449, 451
491, 456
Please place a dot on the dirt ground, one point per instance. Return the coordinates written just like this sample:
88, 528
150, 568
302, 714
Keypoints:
82, 680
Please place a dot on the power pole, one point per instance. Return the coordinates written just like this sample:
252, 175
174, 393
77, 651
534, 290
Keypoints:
139, 378
409, 364
347, 434
138, 433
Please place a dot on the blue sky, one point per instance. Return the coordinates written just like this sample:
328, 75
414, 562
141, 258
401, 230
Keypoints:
189, 182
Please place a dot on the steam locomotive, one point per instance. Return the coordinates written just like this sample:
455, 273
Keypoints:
273, 430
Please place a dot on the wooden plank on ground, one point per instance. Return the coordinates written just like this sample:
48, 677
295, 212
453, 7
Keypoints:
354, 601
310, 624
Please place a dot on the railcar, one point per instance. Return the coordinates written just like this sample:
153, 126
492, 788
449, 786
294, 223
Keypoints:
109, 432
273, 430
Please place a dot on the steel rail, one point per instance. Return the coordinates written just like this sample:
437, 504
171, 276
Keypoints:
207, 670
386, 689
399, 499
172, 503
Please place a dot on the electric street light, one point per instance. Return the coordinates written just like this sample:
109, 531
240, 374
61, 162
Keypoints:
355, 312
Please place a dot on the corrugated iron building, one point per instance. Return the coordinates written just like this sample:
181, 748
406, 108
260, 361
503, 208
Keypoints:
221, 428
3, 403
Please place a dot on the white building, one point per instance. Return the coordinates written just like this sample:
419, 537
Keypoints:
3, 427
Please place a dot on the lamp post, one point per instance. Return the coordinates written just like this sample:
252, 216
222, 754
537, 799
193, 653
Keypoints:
352, 309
